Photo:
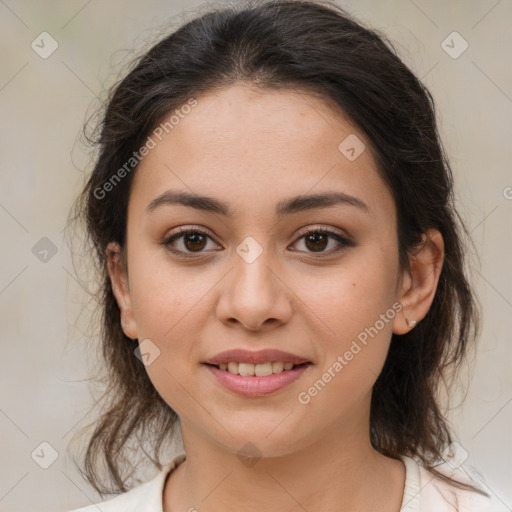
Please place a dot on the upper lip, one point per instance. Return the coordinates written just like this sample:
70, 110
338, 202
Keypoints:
255, 357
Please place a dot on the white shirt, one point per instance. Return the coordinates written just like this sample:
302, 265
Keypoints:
423, 492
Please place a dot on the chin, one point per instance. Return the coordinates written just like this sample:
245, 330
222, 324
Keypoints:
266, 439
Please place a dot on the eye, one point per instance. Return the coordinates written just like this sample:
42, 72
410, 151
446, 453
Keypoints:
316, 240
194, 241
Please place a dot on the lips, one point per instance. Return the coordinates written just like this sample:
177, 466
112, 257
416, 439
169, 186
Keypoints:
255, 357
253, 386
257, 380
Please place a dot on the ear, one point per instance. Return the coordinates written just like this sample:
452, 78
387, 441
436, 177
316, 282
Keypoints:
118, 272
419, 282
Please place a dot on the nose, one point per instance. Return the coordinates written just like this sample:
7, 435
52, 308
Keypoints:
254, 294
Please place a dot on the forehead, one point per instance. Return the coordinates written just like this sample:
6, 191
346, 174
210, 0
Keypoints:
241, 118
249, 146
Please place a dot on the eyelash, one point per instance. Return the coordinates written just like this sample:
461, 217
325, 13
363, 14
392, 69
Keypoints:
187, 231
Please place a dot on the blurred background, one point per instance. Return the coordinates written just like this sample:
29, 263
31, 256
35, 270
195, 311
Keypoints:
57, 60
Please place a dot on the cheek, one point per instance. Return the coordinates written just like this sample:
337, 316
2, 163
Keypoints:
353, 297
167, 305
355, 305
161, 293
359, 313
171, 306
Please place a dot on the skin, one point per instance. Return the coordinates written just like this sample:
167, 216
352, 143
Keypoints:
252, 149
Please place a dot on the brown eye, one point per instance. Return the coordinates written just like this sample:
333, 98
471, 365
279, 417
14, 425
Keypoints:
194, 241
190, 241
317, 240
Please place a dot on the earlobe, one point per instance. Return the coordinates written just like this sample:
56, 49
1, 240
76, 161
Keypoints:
419, 282
120, 288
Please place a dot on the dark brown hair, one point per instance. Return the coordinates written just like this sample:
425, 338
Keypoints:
318, 48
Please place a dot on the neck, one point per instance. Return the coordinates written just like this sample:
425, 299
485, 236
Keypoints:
339, 472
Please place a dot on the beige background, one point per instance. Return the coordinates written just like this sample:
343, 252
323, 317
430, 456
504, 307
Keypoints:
44, 395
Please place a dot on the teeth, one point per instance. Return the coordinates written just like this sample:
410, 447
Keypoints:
245, 369
258, 370
262, 370
277, 367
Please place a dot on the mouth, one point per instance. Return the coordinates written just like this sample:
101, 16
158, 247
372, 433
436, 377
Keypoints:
256, 373
257, 370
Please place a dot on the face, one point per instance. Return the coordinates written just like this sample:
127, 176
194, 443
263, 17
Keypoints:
317, 280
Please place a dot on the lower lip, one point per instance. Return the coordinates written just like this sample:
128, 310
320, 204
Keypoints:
257, 386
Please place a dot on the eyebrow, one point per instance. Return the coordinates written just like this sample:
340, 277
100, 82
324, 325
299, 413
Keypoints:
286, 207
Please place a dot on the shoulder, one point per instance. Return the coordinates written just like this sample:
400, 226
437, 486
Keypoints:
427, 492
147, 496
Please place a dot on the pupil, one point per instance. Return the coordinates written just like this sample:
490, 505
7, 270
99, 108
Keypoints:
194, 238
314, 238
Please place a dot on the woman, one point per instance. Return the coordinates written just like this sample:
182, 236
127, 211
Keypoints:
283, 272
